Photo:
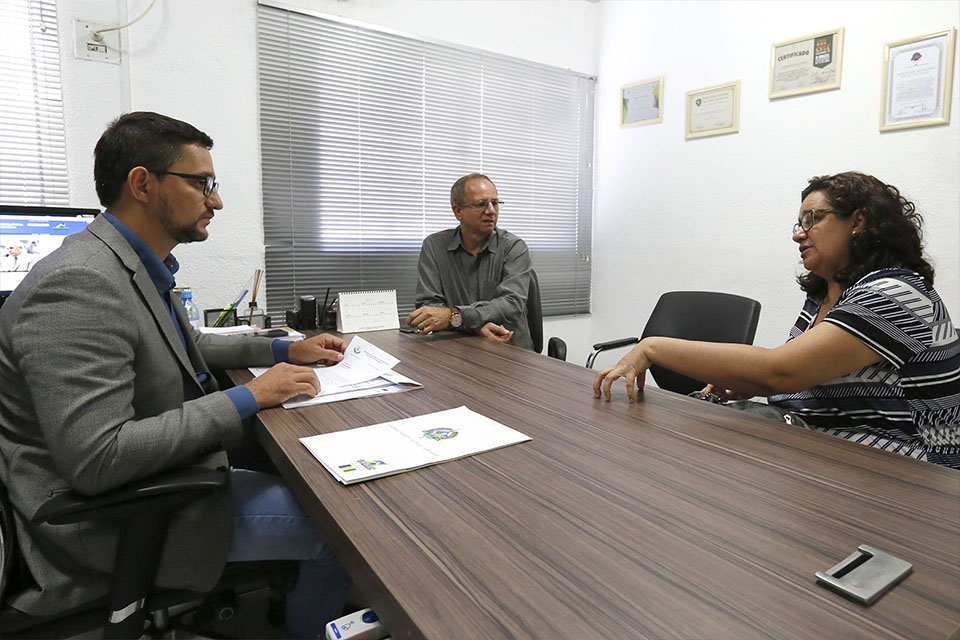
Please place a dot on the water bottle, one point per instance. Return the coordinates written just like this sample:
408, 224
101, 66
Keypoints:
193, 313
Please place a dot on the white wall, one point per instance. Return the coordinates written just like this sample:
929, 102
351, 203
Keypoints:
94, 93
716, 213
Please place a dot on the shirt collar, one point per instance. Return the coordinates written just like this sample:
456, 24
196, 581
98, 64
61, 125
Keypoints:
160, 271
491, 245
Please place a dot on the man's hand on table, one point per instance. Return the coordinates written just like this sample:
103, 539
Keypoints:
282, 382
495, 332
430, 319
285, 380
321, 349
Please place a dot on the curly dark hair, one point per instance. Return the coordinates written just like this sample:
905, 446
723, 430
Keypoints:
891, 234
139, 139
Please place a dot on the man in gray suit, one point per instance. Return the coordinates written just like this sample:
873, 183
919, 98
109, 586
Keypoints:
103, 381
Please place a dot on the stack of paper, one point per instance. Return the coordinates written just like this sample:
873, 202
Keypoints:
364, 371
246, 330
389, 382
238, 330
385, 449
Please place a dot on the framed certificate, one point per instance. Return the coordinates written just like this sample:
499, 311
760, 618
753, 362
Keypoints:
917, 81
641, 102
713, 111
806, 65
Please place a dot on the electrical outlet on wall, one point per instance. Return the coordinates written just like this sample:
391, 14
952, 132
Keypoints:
107, 49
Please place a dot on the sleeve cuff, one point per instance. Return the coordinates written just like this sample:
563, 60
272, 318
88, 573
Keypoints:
471, 319
281, 350
242, 398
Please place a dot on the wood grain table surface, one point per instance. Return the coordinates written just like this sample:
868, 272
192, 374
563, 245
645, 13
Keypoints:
669, 518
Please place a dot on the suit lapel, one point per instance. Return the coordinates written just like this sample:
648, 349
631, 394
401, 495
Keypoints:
103, 229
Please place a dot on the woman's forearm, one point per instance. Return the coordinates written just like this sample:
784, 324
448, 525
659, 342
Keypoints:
744, 368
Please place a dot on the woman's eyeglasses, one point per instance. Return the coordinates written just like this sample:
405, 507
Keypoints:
810, 218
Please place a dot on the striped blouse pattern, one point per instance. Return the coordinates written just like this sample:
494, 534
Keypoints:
910, 400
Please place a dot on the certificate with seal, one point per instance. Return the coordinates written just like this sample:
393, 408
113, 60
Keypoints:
917, 81
713, 111
641, 102
806, 65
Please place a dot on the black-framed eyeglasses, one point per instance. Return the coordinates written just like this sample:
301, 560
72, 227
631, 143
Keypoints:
483, 204
810, 218
208, 183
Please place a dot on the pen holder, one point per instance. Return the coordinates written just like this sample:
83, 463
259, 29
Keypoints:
229, 317
328, 317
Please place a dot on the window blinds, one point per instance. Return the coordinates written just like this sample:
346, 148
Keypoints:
363, 132
33, 154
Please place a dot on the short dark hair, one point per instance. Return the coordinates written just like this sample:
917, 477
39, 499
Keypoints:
139, 139
891, 234
460, 186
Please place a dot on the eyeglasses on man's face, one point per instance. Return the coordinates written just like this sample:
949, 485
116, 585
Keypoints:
809, 218
207, 183
483, 204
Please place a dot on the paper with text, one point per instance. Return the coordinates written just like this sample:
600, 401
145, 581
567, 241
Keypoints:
361, 362
389, 382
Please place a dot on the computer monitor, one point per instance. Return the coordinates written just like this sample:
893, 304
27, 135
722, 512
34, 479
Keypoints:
27, 234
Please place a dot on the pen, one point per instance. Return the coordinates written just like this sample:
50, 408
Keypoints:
230, 307
253, 299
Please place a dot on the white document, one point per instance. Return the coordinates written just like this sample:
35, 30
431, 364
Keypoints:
367, 311
389, 382
385, 449
363, 363
239, 330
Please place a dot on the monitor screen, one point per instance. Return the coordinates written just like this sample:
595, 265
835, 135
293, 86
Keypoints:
27, 234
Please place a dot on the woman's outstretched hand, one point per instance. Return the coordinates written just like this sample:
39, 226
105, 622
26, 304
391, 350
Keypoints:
632, 367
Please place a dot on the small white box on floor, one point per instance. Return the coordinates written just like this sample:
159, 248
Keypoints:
359, 625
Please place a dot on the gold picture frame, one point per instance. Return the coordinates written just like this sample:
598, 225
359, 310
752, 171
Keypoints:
641, 102
712, 111
808, 64
917, 81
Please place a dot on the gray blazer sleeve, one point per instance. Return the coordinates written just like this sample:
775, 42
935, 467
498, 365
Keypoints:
109, 391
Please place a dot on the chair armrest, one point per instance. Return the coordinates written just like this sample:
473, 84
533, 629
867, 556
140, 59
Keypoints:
613, 344
610, 344
163, 491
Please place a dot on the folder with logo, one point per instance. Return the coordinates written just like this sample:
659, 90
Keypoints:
393, 447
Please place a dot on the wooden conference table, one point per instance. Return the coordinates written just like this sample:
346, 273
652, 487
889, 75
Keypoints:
669, 518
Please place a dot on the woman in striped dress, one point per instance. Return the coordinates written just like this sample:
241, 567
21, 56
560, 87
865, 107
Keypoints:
873, 357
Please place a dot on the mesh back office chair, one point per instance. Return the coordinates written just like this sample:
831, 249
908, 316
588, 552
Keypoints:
142, 510
692, 315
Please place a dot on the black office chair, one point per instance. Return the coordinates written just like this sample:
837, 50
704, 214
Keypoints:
535, 312
556, 347
707, 316
143, 511
692, 315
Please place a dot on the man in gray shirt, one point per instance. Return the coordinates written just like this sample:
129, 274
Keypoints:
474, 278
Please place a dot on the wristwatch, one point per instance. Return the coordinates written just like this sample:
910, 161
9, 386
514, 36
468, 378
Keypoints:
455, 318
